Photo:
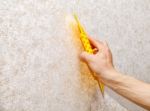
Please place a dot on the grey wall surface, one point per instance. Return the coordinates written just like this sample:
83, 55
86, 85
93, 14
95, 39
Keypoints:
39, 65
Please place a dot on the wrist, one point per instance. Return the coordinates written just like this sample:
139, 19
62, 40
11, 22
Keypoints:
108, 75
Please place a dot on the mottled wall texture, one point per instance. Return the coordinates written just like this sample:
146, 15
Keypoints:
39, 65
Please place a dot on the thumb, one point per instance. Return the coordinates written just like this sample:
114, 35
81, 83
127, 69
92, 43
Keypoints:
86, 57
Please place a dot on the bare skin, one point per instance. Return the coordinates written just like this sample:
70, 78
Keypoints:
101, 63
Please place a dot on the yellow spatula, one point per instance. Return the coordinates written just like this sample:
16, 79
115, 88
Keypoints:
86, 44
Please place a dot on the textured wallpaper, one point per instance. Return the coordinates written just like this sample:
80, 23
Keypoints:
39, 65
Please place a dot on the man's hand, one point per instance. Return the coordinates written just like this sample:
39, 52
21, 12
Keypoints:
101, 61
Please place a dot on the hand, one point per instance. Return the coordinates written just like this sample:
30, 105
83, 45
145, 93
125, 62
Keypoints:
101, 61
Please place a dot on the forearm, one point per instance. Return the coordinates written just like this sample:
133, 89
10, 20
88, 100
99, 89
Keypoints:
132, 89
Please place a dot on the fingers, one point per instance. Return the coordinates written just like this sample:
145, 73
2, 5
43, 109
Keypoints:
95, 43
108, 52
95, 50
106, 48
98, 46
106, 44
86, 57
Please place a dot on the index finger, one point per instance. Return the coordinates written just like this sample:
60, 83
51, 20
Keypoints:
95, 43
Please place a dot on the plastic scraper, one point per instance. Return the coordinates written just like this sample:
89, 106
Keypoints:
86, 44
